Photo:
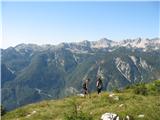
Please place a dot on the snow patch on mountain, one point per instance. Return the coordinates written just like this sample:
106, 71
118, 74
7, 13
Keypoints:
136, 43
86, 46
12, 71
27, 47
103, 43
42, 93
141, 43
62, 62
123, 68
144, 64
78, 51
133, 58
75, 58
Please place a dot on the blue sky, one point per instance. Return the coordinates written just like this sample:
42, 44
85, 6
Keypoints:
56, 22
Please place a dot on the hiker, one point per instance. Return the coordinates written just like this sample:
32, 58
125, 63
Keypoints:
99, 85
85, 86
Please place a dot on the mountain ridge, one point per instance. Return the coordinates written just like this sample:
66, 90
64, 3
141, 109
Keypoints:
104, 43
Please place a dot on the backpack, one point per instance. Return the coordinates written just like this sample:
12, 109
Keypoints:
100, 85
84, 85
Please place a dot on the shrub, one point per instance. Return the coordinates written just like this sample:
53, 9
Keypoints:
3, 110
157, 85
77, 116
75, 113
128, 87
116, 90
141, 89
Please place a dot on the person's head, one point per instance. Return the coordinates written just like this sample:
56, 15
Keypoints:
99, 77
87, 80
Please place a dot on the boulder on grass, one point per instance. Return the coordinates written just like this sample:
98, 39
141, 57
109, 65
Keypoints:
109, 116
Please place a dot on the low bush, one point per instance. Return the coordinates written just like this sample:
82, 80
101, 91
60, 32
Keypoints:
141, 89
3, 110
75, 113
157, 85
116, 90
77, 116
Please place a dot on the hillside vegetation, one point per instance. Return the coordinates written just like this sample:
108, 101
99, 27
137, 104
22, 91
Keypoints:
140, 99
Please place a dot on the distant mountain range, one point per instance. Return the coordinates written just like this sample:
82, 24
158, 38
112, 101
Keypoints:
31, 73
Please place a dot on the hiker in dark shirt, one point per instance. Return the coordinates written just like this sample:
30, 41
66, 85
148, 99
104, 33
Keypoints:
99, 85
85, 86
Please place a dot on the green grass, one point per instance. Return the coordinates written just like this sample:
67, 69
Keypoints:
133, 105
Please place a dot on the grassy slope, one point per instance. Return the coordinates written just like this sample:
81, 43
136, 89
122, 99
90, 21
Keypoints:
95, 106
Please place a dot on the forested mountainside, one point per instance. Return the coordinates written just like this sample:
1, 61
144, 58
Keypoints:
31, 73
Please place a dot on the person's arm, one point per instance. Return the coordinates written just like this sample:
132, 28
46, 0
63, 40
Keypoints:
97, 83
87, 85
